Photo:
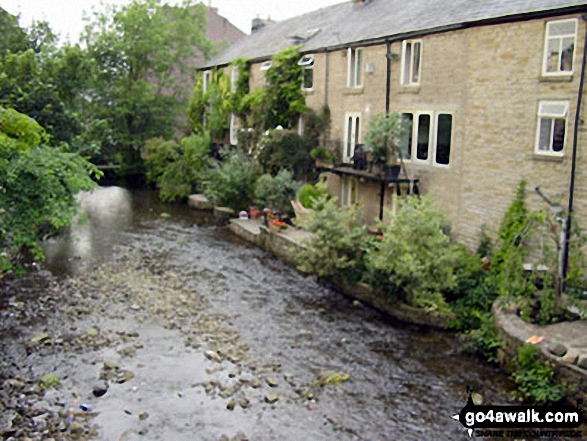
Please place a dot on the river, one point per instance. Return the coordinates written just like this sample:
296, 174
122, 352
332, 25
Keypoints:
196, 335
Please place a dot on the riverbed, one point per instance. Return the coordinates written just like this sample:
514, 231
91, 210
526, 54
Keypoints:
192, 334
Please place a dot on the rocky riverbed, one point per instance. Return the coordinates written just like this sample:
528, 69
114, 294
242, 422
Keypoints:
157, 326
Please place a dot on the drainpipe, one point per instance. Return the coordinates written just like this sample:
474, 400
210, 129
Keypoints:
388, 78
326, 78
574, 161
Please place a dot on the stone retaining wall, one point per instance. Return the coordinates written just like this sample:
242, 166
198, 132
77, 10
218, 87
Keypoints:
513, 330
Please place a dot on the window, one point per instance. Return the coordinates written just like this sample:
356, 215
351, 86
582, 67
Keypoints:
411, 62
426, 137
552, 126
351, 137
307, 63
349, 191
233, 79
423, 136
443, 138
559, 47
233, 129
206, 78
301, 126
355, 67
264, 68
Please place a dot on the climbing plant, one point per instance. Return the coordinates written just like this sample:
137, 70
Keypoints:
210, 111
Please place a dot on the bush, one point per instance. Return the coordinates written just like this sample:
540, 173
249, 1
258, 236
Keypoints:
484, 340
232, 182
336, 251
276, 192
415, 256
309, 194
177, 169
284, 149
535, 378
38, 184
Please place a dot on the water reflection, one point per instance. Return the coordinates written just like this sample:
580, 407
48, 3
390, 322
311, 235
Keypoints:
104, 214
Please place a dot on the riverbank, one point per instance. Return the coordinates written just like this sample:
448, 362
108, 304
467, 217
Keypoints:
563, 345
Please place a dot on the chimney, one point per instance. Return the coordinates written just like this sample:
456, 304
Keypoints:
258, 23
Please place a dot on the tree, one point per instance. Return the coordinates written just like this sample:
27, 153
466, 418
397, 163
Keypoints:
38, 185
137, 49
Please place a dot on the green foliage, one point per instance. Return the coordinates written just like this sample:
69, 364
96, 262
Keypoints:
213, 106
37, 188
415, 257
231, 183
14, 38
336, 251
383, 138
484, 339
285, 149
321, 153
158, 155
276, 193
576, 282
139, 49
284, 89
242, 88
48, 381
534, 378
316, 126
178, 170
309, 194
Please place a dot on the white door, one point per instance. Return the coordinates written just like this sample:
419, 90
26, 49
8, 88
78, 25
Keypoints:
352, 126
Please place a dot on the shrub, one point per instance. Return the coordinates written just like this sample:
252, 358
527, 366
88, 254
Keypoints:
321, 153
336, 251
276, 192
284, 149
535, 378
158, 154
415, 256
38, 187
484, 339
309, 194
232, 182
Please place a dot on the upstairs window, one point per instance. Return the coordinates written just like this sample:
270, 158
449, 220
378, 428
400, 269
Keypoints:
206, 78
355, 67
411, 62
307, 63
264, 68
552, 127
559, 47
352, 132
233, 79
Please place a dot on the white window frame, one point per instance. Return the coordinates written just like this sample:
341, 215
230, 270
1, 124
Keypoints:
452, 137
234, 78
206, 80
547, 38
553, 116
349, 184
233, 132
415, 127
355, 138
307, 63
433, 137
301, 126
354, 65
408, 81
264, 68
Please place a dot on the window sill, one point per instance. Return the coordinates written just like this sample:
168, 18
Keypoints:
556, 78
308, 91
406, 88
353, 91
545, 157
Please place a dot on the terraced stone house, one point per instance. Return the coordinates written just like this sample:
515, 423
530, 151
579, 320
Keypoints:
489, 89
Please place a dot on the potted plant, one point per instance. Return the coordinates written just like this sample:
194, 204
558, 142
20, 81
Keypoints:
321, 155
383, 139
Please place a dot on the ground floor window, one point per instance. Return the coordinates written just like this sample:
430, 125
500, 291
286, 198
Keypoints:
350, 191
426, 137
233, 129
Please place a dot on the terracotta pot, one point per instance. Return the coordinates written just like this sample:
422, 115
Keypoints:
254, 213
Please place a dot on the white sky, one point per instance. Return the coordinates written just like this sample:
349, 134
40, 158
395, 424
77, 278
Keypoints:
65, 16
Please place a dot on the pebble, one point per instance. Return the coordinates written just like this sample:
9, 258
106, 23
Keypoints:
557, 349
271, 399
143, 416
271, 382
100, 390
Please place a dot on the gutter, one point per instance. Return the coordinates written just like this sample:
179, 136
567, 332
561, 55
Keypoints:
565, 263
422, 33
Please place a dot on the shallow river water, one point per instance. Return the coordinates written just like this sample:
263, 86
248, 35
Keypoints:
200, 336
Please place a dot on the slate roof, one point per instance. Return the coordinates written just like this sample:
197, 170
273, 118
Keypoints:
346, 24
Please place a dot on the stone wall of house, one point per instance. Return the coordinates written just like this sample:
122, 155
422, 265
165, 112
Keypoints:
490, 79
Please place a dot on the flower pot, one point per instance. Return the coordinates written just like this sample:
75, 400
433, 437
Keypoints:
392, 171
254, 213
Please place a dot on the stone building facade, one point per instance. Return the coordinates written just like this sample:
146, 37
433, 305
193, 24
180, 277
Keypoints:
490, 97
